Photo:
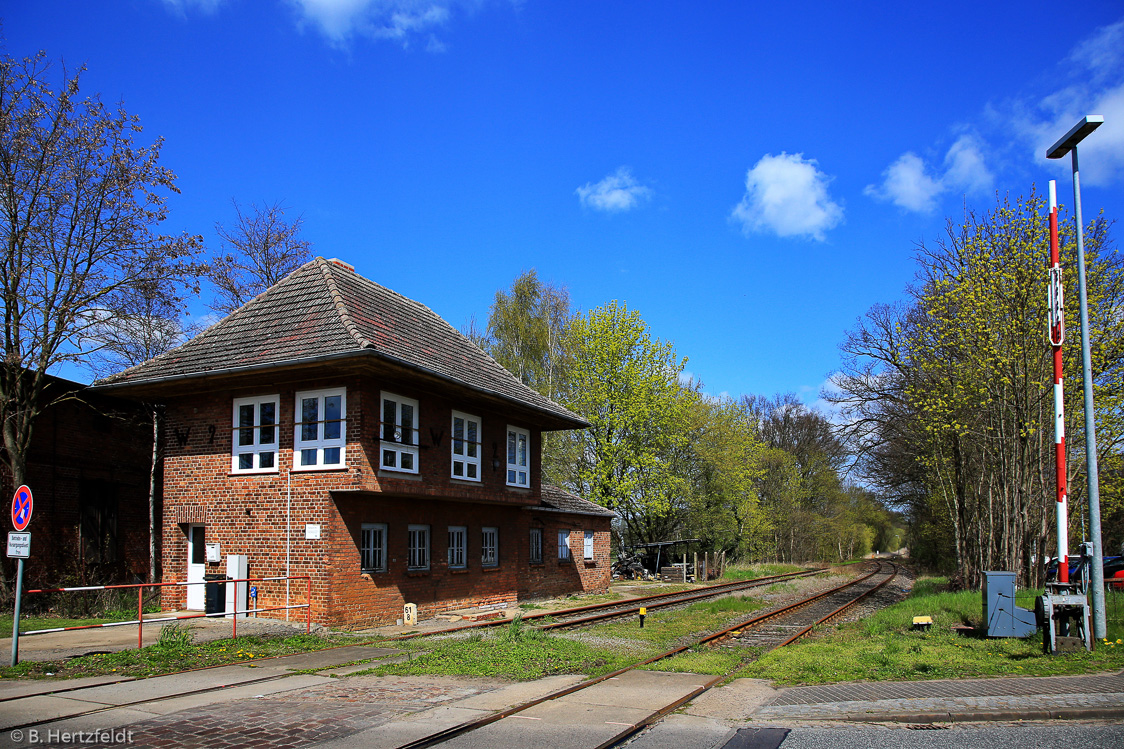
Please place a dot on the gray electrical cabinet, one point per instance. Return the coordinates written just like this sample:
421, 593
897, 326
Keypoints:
1001, 616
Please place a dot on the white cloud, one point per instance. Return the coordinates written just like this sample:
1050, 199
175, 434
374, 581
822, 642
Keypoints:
407, 22
908, 183
1095, 73
180, 7
787, 195
616, 193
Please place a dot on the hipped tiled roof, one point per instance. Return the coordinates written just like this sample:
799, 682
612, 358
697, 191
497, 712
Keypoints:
325, 310
560, 500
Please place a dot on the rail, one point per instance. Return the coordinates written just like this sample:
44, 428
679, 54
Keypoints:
140, 621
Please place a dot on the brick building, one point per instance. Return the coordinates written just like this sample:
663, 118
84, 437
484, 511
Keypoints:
90, 522
333, 428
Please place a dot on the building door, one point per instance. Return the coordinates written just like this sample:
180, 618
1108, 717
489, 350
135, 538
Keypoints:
196, 566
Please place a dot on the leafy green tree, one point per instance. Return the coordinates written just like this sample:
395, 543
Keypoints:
725, 510
527, 332
949, 398
626, 384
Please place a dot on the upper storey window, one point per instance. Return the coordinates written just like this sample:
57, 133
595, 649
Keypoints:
466, 447
399, 434
321, 429
518, 457
254, 443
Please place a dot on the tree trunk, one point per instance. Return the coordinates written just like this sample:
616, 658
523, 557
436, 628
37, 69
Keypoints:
157, 420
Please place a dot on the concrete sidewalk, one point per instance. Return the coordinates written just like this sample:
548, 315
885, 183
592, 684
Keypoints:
1099, 696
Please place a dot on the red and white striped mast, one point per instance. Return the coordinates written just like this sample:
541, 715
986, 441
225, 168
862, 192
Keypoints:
1057, 335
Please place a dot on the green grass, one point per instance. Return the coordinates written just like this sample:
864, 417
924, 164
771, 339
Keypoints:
50, 622
522, 652
516, 652
884, 646
29, 623
664, 630
753, 571
175, 652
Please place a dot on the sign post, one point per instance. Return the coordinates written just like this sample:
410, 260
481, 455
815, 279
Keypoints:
19, 546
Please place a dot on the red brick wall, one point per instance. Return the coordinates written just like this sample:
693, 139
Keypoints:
246, 513
106, 442
555, 577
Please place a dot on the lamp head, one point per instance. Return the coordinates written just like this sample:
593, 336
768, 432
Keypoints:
1069, 141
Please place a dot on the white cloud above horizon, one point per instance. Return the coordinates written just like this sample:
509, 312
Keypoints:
1096, 72
616, 193
1016, 132
787, 195
406, 22
910, 184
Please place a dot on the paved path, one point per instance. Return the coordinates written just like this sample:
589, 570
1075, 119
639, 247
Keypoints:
1026, 698
269, 705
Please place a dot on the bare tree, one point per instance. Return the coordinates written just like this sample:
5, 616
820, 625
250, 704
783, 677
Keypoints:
138, 323
259, 250
80, 199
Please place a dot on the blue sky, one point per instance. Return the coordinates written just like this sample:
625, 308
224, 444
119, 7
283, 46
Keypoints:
751, 177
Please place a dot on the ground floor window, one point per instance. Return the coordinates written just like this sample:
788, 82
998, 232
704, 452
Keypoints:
563, 544
97, 507
536, 545
372, 548
588, 548
418, 548
490, 547
457, 536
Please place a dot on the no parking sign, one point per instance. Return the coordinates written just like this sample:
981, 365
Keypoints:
22, 504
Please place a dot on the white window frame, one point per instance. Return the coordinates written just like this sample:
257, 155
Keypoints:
403, 443
518, 474
417, 555
564, 546
468, 463
587, 546
255, 448
319, 445
372, 547
535, 550
458, 547
489, 546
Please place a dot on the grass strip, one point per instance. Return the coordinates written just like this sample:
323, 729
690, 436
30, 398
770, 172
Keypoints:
884, 647
175, 652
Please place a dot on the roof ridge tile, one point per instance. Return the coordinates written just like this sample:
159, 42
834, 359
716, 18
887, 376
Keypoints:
340, 304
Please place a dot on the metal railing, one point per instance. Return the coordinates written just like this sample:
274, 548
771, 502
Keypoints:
140, 621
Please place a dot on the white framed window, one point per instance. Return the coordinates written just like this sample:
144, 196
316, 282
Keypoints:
254, 435
563, 544
418, 547
518, 457
489, 546
535, 556
321, 429
588, 546
457, 539
398, 431
372, 547
466, 446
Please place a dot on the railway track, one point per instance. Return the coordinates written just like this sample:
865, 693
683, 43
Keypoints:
763, 631
599, 612
575, 616
777, 628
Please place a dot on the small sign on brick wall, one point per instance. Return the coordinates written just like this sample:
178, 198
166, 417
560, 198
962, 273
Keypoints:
312, 531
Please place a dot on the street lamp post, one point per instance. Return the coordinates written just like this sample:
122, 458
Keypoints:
1068, 144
